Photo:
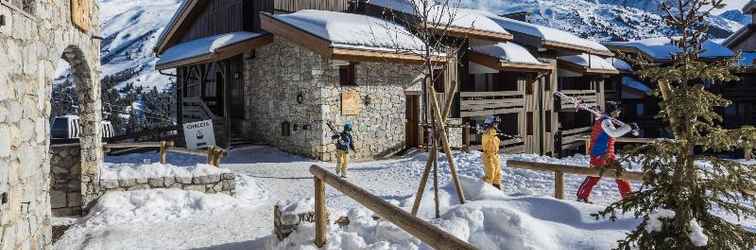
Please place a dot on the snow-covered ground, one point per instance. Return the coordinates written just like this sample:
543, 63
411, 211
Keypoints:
522, 217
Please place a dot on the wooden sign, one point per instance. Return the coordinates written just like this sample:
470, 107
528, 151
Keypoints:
350, 102
80, 17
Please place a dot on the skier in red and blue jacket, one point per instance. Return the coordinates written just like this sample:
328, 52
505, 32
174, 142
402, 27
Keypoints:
602, 153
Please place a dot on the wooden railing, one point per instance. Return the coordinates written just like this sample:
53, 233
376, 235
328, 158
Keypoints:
571, 137
214, 154
559, 171
476, 104
747, 153
421, 229
589, 97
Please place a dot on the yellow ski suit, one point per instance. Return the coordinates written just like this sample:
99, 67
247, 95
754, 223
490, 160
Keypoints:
491, 160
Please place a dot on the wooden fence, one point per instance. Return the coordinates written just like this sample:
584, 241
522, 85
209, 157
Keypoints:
421, 229
559, 171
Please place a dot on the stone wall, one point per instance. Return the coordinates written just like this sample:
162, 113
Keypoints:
65, 182
222, 183
286, 83
32, 42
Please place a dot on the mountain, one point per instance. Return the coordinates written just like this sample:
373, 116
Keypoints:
131, 28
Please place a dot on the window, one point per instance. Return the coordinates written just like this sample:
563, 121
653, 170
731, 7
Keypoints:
530, 123
438, 81
639, 109
347, 75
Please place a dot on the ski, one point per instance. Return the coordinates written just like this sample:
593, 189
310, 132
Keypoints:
580, 105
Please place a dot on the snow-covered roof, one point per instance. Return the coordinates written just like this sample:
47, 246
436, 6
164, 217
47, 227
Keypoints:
636, 85
620, 64
456, 17
661, 48
551, 35
203, 46
592, 62
352, 31
750, 7
508, 52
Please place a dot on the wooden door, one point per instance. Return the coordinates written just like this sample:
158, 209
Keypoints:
412, 114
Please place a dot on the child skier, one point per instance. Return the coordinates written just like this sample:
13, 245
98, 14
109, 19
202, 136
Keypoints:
344, 143
602, 153
491, 161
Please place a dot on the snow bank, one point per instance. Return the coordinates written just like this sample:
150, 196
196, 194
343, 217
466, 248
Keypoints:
509, 52
490, 219
661, 48
203, 46
116, 171
345, 30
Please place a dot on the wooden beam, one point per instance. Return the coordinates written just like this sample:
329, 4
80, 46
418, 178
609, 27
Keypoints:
419, 228
295, 35
471, 33
174, 26
321, 214
361, 55
568, 169
575, 48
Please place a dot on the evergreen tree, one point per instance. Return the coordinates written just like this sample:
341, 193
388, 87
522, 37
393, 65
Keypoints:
680, 189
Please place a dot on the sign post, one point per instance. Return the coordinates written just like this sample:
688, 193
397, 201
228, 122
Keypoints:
199, 134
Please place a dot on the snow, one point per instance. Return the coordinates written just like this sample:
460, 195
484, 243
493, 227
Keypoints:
523, 216
452, 15
204, 46
748, 59
509, 52
621, 65
635, 84
346, 30
654, 223
116, 171
130, 29
589, 61
661, 49
697, 235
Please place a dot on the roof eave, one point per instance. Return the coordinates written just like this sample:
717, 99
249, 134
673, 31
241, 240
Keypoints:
173, 26
220, 53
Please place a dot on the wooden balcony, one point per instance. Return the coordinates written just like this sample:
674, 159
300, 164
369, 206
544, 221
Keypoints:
477, 104
574, 138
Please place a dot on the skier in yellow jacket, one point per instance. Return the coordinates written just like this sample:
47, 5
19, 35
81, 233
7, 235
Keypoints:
491, 160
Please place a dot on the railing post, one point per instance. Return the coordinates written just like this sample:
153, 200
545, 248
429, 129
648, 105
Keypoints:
748, 151
559, 185
321, 219
217, 155
163, 152
210, 155
466, 137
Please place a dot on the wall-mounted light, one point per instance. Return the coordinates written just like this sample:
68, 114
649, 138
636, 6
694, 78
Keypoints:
237, 75
300, 98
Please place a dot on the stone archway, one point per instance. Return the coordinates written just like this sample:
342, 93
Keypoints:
85, 169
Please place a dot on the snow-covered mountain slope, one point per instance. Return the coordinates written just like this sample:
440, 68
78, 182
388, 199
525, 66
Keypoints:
131, 27
601, 20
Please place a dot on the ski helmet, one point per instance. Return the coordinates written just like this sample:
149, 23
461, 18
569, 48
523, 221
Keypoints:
348, 126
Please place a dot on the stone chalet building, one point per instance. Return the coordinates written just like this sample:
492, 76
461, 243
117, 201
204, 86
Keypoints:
34, 36
275, 72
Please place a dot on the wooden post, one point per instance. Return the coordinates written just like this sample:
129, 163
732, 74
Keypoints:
163, 152
423, 181
588, 146
321, 219
441, 127
210, 155
217, 156
466, 137
558, 185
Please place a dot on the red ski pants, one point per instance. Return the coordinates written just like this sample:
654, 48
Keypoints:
585, 189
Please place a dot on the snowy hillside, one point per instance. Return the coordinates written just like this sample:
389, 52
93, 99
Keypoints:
131, 27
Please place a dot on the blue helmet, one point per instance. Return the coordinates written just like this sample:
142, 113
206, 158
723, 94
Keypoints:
348, 127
